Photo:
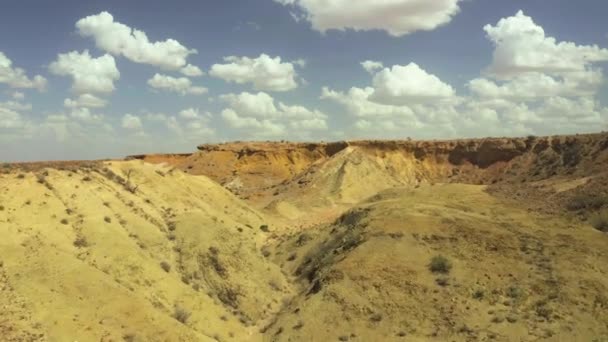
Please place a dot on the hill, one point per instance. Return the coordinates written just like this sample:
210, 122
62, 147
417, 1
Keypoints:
498, 239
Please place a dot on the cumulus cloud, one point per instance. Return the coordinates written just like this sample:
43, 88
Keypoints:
258, 116
407, 85
9, 119
259, 105
191, 71
17, 78
529, 90
85, 114
521, 46
190, 114
527, 64
90, 75
397, 17
131, 122
19, 96
85, 100
372, 66
180, 85
264, 72
16, 105
190, 125
122, 40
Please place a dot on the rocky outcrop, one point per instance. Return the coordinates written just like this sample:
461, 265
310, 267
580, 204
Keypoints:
260, 166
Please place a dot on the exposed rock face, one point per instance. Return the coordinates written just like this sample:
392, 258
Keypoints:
262, 168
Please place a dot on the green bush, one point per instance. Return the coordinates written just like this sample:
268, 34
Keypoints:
440, 264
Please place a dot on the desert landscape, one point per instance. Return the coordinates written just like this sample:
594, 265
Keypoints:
303, 171
498, 239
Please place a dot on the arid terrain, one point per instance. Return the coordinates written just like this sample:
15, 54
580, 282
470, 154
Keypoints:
502, 239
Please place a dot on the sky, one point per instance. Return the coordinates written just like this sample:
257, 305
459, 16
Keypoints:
106, 79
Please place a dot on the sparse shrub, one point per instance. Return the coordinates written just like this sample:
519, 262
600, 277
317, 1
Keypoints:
86, 179
165, 266
292, 257
181, 314
216, 263
20, 176
586, 201
377, 317
107, 219
264, 228
440, 264
442, 281
81, 242
514, 292
1, 208
298, 325
303, 239
230, 297
599, 221
478, 294
129, 337
106, 204
64, 221
542, 310
69, 211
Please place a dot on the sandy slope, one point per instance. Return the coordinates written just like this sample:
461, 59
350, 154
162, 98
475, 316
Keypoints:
516, 276
81, 257
333, 243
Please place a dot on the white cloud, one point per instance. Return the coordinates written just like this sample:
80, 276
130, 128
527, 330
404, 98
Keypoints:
531, 86
19, 96
528, 65
85, 100
264, 72
156, 116
190, 114
407, 85
16, 77
180, 85
90, 75
85, 114
191, 71
372, 66
15, 105
357, 103
190, 125
260, 105
119, 39
131, 122
258, 116
397, 17
9, 119
521, 46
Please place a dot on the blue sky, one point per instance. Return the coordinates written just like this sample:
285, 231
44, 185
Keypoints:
97, 89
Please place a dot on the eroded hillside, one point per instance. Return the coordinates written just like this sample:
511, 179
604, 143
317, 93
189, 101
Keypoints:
469, 240
130, 250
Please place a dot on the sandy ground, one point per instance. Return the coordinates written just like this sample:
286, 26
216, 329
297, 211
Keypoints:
329, 242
